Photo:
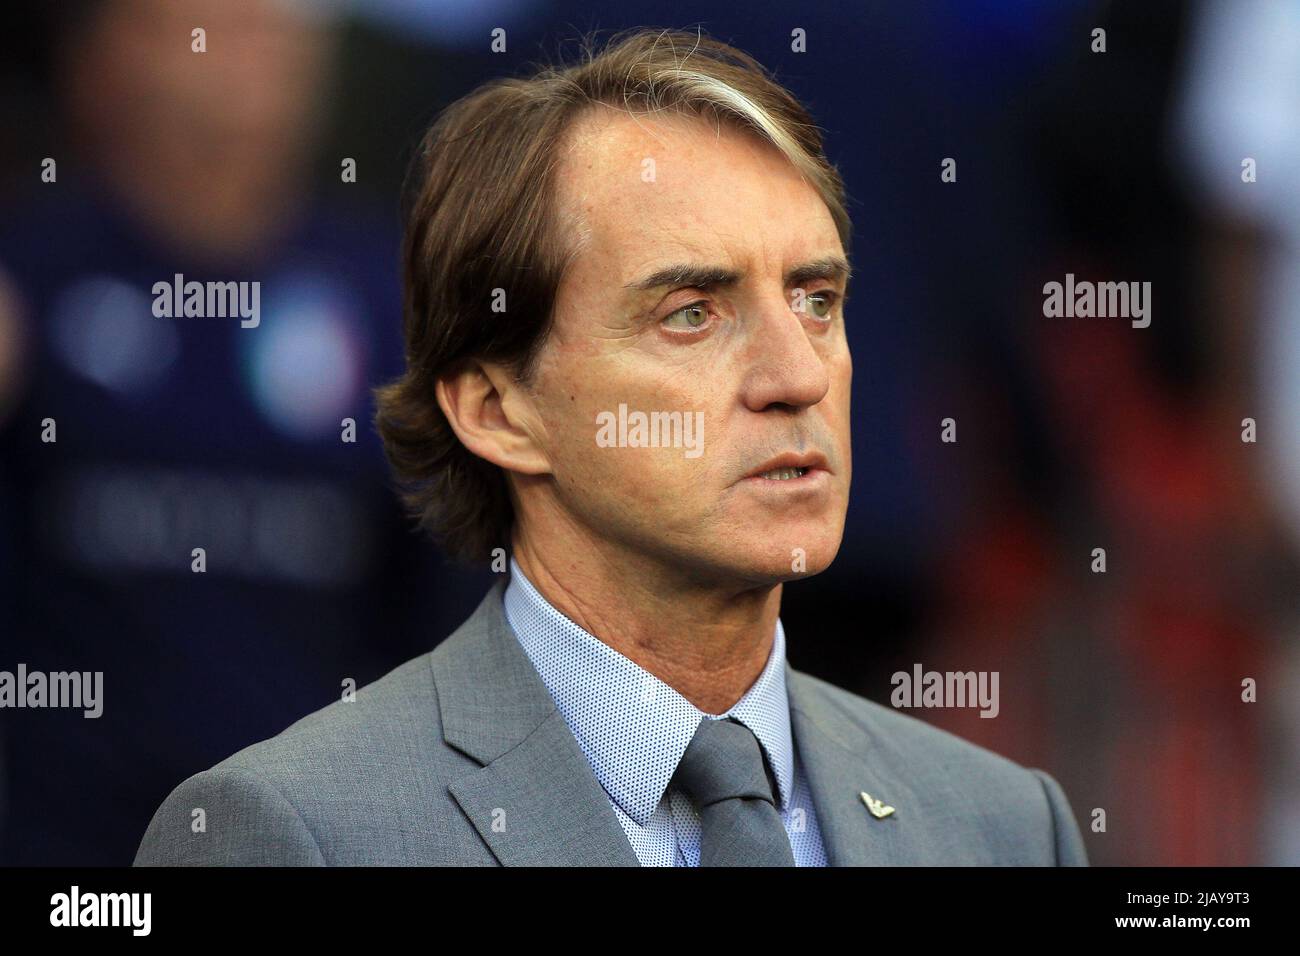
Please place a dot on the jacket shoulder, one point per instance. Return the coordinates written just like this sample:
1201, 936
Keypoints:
954, 778
357, 782
885, 726
398, 711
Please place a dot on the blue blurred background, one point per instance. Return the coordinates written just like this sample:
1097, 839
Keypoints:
1072, 433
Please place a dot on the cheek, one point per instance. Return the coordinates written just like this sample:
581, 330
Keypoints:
836, 410
592, 444
841, 390
604, 469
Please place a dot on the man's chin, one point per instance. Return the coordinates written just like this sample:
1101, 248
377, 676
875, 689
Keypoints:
779, 565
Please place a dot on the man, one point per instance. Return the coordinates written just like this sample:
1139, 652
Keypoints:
627, 364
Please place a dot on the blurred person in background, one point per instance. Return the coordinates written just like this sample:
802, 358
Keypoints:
190, 432
1238, 127
1130, 440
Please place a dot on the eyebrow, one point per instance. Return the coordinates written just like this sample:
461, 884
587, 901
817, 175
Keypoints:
706, 277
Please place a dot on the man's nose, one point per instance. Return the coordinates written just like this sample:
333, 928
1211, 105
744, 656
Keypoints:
784, 365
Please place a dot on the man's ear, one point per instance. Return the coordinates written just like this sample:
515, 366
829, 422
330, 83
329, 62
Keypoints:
493, 416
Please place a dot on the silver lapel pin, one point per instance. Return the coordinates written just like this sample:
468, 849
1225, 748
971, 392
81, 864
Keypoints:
877, 807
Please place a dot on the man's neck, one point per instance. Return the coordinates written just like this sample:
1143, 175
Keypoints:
709, 645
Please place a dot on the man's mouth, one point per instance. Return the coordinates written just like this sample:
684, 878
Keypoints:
790, 466
783, 474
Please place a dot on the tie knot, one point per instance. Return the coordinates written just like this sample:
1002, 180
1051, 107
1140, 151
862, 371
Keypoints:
723, 761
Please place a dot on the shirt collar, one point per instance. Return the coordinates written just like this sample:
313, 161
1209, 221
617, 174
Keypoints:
632, 727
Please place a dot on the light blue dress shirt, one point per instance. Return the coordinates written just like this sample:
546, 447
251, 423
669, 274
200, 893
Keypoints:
634, 729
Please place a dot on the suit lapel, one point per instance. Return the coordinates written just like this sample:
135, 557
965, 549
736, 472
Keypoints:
535, 801
836, 754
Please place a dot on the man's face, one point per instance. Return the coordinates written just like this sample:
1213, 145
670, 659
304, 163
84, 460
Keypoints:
755, 353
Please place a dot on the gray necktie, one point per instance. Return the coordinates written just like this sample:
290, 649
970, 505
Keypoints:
724, 775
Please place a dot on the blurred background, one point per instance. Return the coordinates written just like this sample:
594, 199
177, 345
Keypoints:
1073, 434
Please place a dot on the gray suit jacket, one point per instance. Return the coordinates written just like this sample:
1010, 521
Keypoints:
460, 757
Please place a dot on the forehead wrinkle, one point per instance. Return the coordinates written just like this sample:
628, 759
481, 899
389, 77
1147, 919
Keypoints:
580, 204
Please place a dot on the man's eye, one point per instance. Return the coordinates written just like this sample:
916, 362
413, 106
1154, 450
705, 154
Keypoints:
820, 303
688, 317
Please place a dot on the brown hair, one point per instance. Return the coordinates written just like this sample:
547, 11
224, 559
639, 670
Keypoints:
482, 217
